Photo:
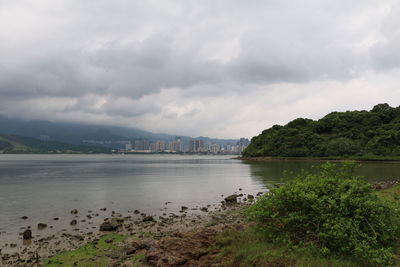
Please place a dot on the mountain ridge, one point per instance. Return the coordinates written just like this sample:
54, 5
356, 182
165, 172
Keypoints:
76, 133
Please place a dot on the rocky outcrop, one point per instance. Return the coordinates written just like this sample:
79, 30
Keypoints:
110, 224
41, 226
182, 249
27, 234
232, 199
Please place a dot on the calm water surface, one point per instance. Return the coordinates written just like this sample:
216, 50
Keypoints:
46, 186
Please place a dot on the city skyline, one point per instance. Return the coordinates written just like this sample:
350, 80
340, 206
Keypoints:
180, 146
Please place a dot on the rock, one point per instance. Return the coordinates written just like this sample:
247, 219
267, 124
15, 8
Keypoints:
73, 222
148, 219
56, 218
24, 217
204, 209
41, 226
27, 234
232, 199
89, 216
184, 208
136, 212
79, 237
250, 198
74, 211
103, 209
110, 225
130, 251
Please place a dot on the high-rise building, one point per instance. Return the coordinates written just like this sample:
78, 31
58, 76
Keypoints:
142, 145
196, 145
215, 148
160, 146
128, 146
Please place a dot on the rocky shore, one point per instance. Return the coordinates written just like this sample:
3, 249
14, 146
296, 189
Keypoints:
191, 229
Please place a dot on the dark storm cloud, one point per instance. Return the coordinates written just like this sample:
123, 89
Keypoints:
121, 59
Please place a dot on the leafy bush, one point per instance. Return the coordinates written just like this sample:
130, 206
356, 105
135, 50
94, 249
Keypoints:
333, 211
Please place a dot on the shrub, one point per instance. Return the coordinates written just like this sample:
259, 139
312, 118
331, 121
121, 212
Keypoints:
334, 211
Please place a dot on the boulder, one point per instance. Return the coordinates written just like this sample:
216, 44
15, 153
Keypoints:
74, 211
73, 222
41, 226
110, 225
148, 219
27, 234
232, 199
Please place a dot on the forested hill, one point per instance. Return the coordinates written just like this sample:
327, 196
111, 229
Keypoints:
23, 144
338, 134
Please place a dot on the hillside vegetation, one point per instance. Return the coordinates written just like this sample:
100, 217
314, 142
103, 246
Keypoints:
22, 144
338, 134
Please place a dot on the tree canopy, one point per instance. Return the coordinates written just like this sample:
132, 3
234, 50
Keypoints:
350, 133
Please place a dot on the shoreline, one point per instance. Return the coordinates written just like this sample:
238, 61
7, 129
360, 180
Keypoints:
33, 252
316, 159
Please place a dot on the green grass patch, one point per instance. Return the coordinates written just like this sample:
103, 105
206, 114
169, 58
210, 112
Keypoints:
137, 259
96, 254
391, 194
248, 248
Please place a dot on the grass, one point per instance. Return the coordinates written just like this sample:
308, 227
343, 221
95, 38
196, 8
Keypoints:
247, 248
106, 252
96, 254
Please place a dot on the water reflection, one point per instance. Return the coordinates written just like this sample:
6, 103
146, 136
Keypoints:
272, 172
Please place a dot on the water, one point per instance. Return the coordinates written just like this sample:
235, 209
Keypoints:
46, 186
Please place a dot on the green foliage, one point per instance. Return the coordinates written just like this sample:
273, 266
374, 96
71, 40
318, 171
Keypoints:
21, 144
334, 212
351, 133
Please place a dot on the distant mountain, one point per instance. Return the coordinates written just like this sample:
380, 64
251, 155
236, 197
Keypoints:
23, 144
78, 134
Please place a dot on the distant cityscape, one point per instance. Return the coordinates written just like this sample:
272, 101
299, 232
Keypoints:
179, 146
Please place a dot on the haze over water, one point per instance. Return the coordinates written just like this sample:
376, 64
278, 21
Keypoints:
46, 186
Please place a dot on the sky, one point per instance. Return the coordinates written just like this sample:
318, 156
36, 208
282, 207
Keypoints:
219, 68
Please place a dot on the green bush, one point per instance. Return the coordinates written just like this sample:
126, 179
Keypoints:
334, 211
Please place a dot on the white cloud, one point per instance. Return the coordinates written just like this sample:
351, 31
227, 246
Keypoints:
217, 68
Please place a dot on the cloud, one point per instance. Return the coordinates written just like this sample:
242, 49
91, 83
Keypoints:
198, 68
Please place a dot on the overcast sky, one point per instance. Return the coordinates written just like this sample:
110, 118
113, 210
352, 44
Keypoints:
220, 68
